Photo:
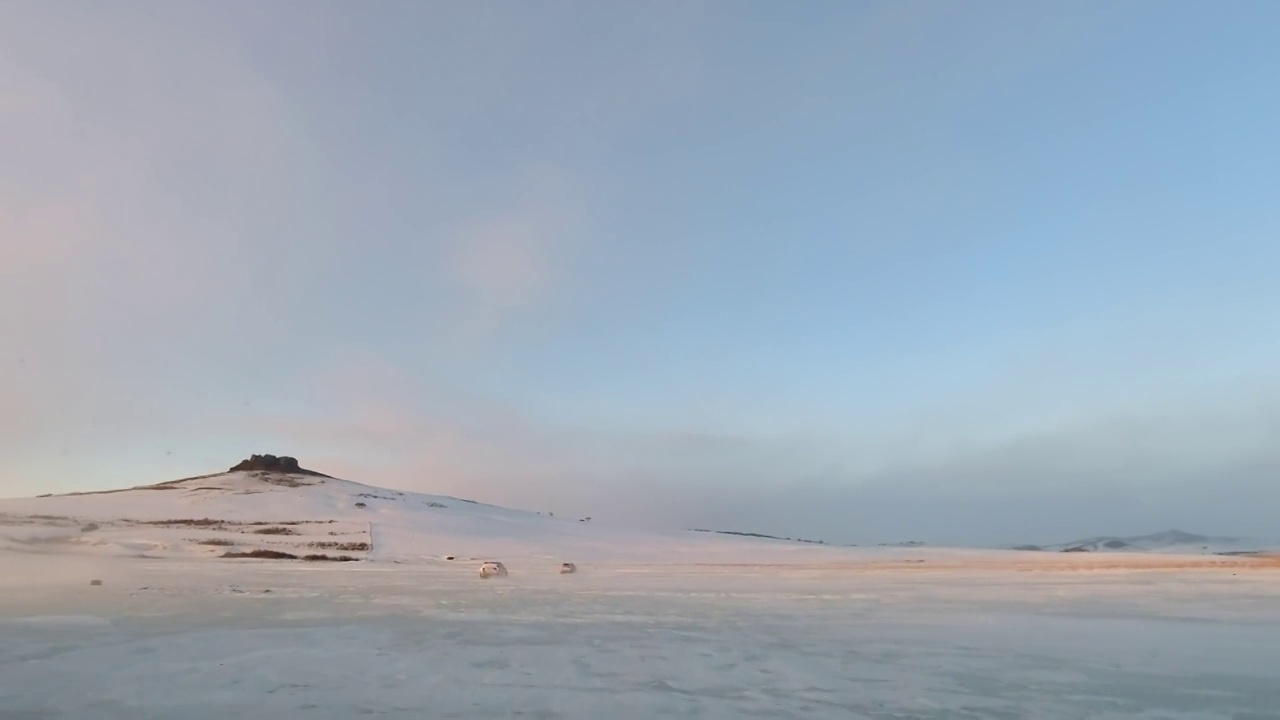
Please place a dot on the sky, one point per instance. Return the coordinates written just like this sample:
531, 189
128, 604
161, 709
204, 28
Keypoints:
974, 273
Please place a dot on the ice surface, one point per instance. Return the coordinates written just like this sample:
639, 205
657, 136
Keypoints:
201, 639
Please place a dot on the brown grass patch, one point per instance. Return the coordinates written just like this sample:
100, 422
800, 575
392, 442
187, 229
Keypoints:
261, 555
293, 522
342, 546
188, 522
330, 558
216, 542
274, 531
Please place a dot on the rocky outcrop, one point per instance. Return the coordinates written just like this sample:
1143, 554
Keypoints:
273, 464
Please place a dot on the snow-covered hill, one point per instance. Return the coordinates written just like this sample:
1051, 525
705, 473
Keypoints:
302, 514
1170, 541
295, 513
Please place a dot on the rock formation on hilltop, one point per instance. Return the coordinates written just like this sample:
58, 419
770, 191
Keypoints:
271, 463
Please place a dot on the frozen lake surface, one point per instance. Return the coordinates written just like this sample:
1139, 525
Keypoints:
176, 638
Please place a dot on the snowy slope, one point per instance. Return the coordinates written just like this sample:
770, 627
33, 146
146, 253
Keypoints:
306, 515
301, 514
1170, 541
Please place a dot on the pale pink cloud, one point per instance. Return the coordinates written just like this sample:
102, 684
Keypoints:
511, 261
100, 188
137, 157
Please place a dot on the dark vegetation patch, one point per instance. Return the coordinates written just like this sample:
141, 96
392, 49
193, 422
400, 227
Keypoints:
294, 522
223, 525
261, 555
342, 546
90, 527
216, 542
372, 496
750, 534
330, 558
361, 505
434, 504
275, 531
189, 522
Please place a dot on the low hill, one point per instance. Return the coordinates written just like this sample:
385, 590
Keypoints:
271, 506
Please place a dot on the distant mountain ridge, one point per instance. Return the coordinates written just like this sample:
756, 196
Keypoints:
1166, 541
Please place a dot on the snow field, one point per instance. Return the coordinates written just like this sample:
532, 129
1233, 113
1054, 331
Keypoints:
195, 639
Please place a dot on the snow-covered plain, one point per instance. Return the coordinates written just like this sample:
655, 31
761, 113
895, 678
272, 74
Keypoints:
651, 625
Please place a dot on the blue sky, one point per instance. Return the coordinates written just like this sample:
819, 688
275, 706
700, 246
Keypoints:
977, 273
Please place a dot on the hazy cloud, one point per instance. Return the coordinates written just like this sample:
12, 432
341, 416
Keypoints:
1194, 464
677, 266
506, 263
